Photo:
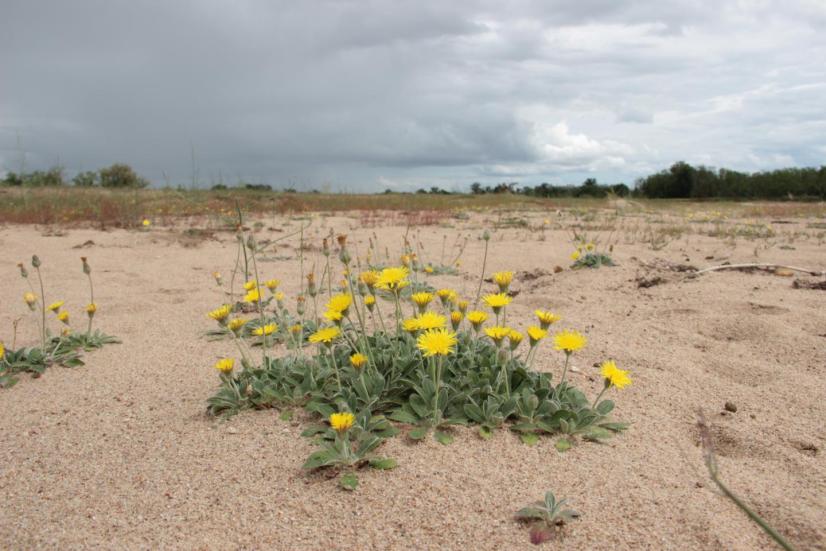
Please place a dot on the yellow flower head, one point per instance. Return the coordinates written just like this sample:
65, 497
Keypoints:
497, 333
236, 324
340, 303
575, 255
146, 223
55, 306
462, 305
503, 280
514, 338
325, 335
342, 421
370, 278
91, 308
430, 320
370, 302
392, 279
2, 350
613, 375
357, 360
569, 341
405, 259
63, 316
590, 247
333, 315
456, 318
253, 296
268, 329
476, 318
536, 334
411, 325
428, 269
272, 284
221, 313
250, 285
30, 298
437, 342
447, 296
497, 302
225, 365
421, 299
295, 328
546, 318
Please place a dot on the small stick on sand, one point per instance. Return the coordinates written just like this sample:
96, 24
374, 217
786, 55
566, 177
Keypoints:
767, 267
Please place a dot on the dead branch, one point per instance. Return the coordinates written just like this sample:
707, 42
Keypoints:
767, 267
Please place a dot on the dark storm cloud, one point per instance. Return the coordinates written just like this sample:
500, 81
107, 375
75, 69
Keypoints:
366, 95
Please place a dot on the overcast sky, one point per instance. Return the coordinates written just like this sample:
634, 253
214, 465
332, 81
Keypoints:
366, 95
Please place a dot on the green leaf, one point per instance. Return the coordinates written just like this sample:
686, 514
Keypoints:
403, 416
320, 459
529, 438
418, 433
384, 464
286, 415
562, 445
485, 432
605, 407
443, 438
348, 482
595, 434
615, 427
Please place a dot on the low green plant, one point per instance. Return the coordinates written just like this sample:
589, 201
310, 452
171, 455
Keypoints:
545, 516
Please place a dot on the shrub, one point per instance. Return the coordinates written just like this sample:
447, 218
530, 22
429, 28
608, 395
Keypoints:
89, 178
121, 175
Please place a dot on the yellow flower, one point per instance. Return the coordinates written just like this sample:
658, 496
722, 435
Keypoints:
253, 296
503, 280
272, 284
456, 318
497, 333
268, 329
421, 299
370, 302
225, 365
476, 318
341, 421
411, 325
569, 341
590, 247
236, 324
357, 360
430, 320
392, 279
91, 308
250, 285
428, 269
295, 329
55, 306
340, 303
546, 318
30, 298
575, 255
514, 338
615, 376
325, 335
447, 296
536, 334
333, 315
220, 314
146, 223
63, 316
2, 350
497, 302
462, 305
279, 296
370, 278
437, 342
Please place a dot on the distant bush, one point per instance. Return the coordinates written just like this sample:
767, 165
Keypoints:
258, 187
39, 178
219, 187
121, 175
89, 178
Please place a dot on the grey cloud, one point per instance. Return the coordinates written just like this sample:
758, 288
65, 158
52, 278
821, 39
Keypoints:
362, 95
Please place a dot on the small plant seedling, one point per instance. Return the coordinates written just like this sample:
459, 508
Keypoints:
545, 516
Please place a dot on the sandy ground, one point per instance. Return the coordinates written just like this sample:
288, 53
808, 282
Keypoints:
120, 453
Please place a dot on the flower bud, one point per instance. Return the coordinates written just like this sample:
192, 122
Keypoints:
35, 261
